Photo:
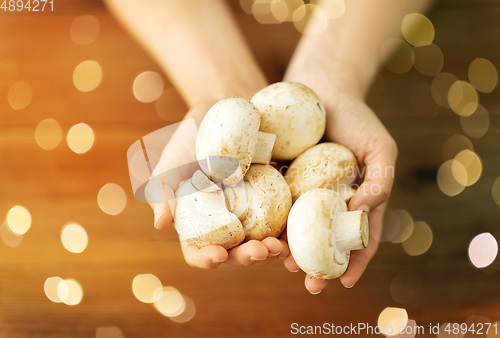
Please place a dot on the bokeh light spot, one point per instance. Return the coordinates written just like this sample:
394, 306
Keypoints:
18, 219
74, 237
74, 292
171, 302
429, 60
112, 199
405, 226
310, 19
147, 288
483, 75
441, 86
420, 240
51, 289
334, 9
446, 178
87, 76
391, 320
148, 87
138, 165
456, 144
472, 164
20, 95
495, 191
483, 250
417, 29
80, 138
48, 134
84, 30
187, 314
8, 237
477, 124
397, 55
463, 98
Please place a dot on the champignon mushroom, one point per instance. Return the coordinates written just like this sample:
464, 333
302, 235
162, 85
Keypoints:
326, 165
264, 204
229, 140
321, 233
201, 216
294, 113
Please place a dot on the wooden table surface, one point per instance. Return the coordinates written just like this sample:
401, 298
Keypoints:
59, 185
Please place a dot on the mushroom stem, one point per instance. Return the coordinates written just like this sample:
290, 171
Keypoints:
351, 230
264, 148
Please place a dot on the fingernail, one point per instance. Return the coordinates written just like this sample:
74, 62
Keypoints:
257, 260
365, 208
158, 212
348, 287
215, 261
293, 270
273, 255
315, 293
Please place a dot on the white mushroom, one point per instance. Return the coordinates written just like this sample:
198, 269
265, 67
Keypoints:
229, 140
326, 165
321, 233
294, 113
264, 204
201, 216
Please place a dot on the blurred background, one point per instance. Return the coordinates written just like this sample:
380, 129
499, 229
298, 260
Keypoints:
79, 256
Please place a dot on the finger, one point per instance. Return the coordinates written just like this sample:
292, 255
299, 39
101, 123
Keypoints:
247, 253
208, 257
360, 258
379, 177
286, 250
315, 285
290, 264
164, 212
273, 245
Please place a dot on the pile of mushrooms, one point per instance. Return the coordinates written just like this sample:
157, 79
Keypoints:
238, 196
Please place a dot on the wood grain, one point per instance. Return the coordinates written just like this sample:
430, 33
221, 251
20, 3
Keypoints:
58, 186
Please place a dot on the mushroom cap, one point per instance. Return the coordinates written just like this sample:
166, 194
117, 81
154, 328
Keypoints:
311, 234
226, 140
294, 113
201, 218
269, 202
327, 165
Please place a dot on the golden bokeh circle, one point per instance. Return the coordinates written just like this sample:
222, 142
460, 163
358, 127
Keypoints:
391, 319
420, 240
48, 134
84, 30
417, 29
87, 75
477, 124
148, 86
112, 199
80, 138
147, 288
446, 178
483, 75
472, 164
19, 95
463, 98
18, 220
429, 60
74, 237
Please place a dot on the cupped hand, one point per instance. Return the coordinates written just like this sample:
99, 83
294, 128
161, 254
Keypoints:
352, 123
177, 163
